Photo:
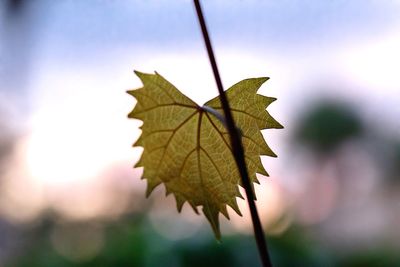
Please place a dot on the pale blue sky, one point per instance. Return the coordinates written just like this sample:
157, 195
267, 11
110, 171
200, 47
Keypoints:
68, 32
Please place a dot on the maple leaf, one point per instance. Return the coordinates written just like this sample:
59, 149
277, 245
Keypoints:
187, 147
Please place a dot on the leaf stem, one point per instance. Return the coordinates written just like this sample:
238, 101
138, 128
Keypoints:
216, 114
237, 145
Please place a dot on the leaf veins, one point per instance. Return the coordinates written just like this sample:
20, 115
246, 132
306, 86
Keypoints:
187, 148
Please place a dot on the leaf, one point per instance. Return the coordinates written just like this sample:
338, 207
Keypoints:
187, 148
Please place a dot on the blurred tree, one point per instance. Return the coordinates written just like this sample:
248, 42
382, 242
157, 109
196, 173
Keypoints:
327, 125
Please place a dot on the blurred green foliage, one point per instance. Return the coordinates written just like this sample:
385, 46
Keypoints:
327, 125
133, 242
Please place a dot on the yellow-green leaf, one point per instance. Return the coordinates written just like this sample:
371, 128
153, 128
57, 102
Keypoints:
187, 148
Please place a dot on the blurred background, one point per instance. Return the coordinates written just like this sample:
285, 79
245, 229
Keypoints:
69, 195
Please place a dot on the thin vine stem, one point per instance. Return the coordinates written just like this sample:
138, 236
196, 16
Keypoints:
237, 146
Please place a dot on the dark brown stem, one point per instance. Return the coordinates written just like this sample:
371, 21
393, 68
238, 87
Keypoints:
237, 145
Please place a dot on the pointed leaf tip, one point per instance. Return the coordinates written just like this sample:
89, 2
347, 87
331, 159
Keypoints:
138, 73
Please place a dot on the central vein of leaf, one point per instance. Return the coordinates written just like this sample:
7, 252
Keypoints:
198, 148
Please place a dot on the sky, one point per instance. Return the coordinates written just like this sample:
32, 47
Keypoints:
65, 67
